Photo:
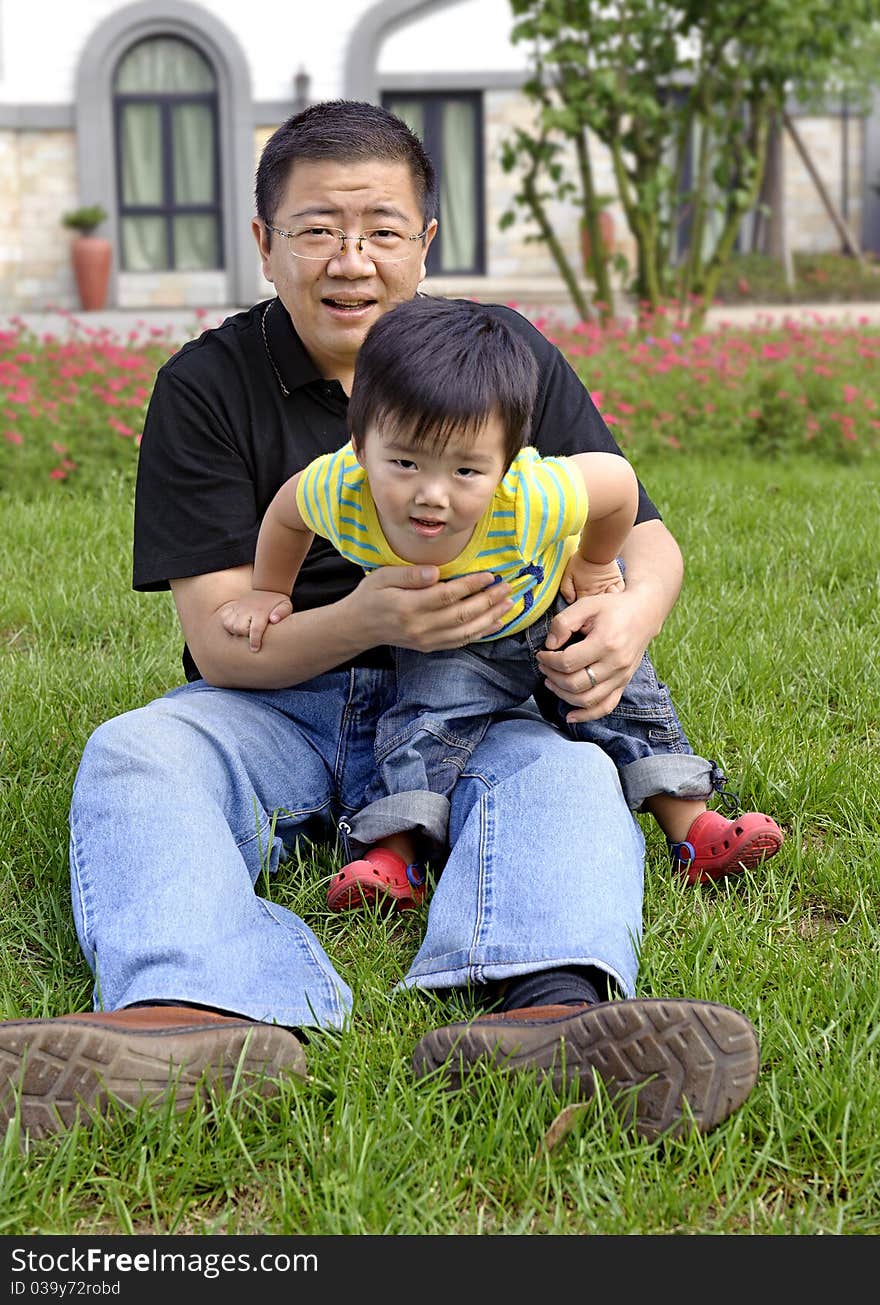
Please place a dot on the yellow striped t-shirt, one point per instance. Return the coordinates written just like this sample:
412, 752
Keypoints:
526, 536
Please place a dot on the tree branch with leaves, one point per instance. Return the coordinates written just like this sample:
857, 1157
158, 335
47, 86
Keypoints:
681, 94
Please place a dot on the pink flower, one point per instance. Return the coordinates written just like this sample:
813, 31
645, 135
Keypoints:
12, 436
120, 427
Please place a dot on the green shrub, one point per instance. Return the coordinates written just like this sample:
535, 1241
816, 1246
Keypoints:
818, 278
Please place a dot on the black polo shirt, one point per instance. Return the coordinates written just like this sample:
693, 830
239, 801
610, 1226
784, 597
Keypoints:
238, 411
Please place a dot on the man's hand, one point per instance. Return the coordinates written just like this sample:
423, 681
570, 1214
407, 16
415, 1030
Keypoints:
249, 615
613, 642
410, 607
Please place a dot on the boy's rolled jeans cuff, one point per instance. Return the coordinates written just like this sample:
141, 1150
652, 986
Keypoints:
420, 812
677, 775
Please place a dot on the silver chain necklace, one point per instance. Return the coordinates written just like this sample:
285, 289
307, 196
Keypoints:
284, 390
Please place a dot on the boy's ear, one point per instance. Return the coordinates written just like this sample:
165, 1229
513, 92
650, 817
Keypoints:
357, 452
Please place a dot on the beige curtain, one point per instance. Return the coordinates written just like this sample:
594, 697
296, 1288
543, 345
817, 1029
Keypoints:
457, 166
165, 65
457, 186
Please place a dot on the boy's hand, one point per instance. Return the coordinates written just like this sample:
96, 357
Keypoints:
582, 579
249, 616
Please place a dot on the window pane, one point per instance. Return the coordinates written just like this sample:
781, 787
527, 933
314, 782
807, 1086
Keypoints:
144, 246
458, 187
164, 64
196, 244
141, 154
192, 128
450, 127
412, 113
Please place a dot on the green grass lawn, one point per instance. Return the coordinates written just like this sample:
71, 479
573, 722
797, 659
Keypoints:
771, 654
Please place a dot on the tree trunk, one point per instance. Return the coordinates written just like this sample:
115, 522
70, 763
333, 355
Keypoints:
774, 232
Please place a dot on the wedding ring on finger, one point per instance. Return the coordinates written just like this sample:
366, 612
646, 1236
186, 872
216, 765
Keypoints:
591, 677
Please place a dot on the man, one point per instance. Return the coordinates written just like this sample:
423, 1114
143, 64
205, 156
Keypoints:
178, 805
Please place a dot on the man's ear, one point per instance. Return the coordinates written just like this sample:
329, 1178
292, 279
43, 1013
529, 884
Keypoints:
429, 236
261, 236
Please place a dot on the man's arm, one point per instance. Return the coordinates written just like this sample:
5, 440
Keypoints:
406, 606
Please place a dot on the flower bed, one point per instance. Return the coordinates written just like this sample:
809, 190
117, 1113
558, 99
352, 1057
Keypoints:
763, 390
72, 409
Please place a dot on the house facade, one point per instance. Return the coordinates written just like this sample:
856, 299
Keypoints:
157, 110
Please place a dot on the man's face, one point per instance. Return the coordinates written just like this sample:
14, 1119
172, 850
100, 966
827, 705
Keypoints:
333, 303
429, 499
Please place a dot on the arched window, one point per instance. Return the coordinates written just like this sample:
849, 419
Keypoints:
167, 158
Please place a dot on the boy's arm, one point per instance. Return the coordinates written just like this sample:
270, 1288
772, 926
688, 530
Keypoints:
282, 544
612, 491
612, 503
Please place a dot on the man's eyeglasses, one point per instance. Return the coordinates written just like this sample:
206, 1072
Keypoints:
383, 245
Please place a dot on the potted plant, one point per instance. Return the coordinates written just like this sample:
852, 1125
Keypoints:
92, 255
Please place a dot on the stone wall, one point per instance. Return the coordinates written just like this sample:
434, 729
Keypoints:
808, 226
38, 184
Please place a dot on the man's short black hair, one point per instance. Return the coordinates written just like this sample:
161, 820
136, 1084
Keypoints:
345, 131
436, 367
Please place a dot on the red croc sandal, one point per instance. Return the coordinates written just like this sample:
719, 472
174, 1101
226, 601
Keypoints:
716, 846
380, 874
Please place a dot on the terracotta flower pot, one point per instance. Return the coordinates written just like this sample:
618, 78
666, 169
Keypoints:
92, 260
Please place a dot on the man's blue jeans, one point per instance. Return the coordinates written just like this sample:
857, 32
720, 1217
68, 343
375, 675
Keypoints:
179, 805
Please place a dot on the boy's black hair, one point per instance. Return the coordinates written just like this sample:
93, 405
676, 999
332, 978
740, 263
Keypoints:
434, 367
344, 131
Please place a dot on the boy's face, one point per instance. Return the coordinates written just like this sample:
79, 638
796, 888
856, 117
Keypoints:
430, 499
334, 302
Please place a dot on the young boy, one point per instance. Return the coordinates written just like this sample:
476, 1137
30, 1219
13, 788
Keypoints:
439, 473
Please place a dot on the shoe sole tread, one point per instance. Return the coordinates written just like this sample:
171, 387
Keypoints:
59, 1069
668, 1062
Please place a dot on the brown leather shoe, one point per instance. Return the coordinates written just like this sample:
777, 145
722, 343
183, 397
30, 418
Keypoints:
138, 1054
668, 1065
